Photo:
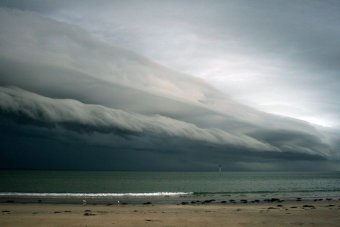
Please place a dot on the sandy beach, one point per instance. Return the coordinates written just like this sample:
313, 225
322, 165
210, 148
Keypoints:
322, 213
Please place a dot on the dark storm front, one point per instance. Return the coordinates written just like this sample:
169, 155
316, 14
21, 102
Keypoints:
166, 186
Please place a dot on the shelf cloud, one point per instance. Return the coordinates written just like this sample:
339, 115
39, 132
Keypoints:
66, 94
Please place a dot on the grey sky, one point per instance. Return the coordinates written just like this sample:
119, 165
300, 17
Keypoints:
290, 48
75, 82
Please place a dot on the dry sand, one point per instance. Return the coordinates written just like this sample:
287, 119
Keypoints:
286, 214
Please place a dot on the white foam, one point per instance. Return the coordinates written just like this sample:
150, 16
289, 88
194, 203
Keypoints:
94, 195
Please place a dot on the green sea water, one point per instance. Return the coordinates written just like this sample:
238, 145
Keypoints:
227, 183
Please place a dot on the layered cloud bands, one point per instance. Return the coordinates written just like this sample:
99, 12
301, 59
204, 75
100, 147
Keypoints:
68, 100
94, 118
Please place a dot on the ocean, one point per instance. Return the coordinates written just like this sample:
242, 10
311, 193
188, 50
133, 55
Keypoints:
164, 187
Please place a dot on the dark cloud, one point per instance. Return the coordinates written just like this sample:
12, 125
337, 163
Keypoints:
74, 115
289, 47
41, 148
35, 123
293, 141
70, 101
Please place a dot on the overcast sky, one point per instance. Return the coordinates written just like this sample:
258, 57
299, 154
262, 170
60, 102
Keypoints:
255, 83
277, 56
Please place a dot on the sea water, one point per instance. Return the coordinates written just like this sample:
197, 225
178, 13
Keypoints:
168, 186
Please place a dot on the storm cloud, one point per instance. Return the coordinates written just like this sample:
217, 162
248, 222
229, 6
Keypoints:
67, 94
289, 48
33, 107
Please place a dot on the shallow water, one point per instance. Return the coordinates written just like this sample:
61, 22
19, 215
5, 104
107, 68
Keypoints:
168, 185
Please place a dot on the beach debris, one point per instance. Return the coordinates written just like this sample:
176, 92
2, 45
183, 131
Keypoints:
293, 207
184, 203
275, 200
208, 201
244, 201
88, 213
10, 201
147, 203
271, 208
57, 212
328, 199
331, 205
5, 211
67, 211
298, 199
223, 201
255, 201
308, 206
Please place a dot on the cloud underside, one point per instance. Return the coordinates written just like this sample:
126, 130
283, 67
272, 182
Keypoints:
76, 116
69, 125
70, 101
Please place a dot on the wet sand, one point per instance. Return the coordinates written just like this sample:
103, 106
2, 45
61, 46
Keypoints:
313, 213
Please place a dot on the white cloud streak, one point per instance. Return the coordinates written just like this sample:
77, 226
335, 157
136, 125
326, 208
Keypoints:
53, 111
290, 48
64, 67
